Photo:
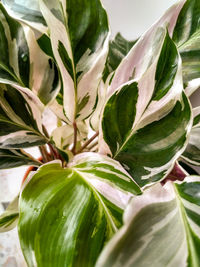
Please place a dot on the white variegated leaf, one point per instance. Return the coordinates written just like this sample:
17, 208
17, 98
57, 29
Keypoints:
23, 63
192, 151
145, 136
161, 227
186, 35
80, 60
27, 12
20, 118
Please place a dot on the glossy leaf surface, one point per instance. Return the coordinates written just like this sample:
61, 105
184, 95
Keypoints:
79, 207
161, 227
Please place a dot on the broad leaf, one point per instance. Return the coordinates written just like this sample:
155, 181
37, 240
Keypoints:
150, 116
79, 208
145, 52
161, 227
79, 39
192, 152
26, 11
9, 219
22, 62
11, 158
118, 49
187, 37
20, 118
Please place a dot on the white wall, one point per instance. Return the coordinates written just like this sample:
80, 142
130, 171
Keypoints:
133, 17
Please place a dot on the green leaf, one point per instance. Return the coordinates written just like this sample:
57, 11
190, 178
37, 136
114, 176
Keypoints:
150, 118
79, 39
22, 62
9, 219
11, 158
161, 227
20, 118
67, 215
26, 11
118, 49
192, 151
187, 37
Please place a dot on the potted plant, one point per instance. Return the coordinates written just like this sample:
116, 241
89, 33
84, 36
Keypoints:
114, 186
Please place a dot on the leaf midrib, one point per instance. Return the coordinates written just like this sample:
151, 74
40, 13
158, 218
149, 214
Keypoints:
23, 127
107, 213
183, 215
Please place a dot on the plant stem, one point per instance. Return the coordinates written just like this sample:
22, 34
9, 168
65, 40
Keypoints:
177, 173
75, 138
53, 151
92, 145
88, 142
31, 157
44, 154
45, 131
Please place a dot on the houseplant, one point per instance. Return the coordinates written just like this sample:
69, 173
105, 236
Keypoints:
121, 196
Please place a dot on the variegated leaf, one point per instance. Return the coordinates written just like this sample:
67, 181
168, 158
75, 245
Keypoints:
186, 35
9, 219
79, 38
192, 152
79, 207
118, 49
27, 12
20, 118
147, 49
150, 116
22, 62
95, 118
161, 227
11, 158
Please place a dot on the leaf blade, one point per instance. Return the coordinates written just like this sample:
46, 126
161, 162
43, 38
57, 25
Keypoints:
165, 236
69, 205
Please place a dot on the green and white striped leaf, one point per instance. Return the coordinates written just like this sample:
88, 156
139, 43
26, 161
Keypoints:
27, 12
22, 62
79, 38
11, 158
9, 219
186, 35
150, 117
161, 227
20, 118
67, 215
118, 49
192, 152
145, 52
